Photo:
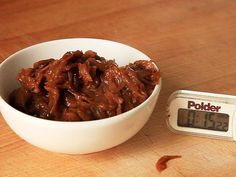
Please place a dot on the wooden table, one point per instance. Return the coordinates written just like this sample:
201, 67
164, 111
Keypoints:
194, 44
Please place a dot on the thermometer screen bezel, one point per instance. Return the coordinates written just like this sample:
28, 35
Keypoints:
203, 120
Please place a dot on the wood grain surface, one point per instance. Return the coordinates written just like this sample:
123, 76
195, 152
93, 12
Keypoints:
194, 45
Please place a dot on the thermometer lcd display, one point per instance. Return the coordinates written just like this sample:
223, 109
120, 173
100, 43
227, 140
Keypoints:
203, 120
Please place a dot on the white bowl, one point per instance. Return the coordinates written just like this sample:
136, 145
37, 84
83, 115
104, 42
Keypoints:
72, 137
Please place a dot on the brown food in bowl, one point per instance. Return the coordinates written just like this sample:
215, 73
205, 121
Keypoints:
83, 86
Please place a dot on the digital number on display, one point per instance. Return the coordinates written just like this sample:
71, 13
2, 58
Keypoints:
203, 120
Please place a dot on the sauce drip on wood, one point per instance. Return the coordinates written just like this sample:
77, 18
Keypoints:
162, 162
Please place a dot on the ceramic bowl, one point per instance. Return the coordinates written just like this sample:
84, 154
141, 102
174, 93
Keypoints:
72, 137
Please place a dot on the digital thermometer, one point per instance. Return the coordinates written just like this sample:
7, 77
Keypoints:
202, 113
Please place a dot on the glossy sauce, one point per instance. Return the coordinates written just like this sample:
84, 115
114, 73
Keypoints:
82, 86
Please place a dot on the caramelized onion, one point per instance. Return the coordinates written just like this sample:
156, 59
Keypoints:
83, 86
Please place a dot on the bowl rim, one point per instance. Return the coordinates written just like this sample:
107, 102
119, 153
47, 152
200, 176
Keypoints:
5, 105
71, 39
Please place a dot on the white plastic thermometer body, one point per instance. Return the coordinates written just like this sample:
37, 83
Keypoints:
201, 113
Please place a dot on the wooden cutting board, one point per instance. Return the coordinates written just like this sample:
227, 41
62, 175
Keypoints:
194, 45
